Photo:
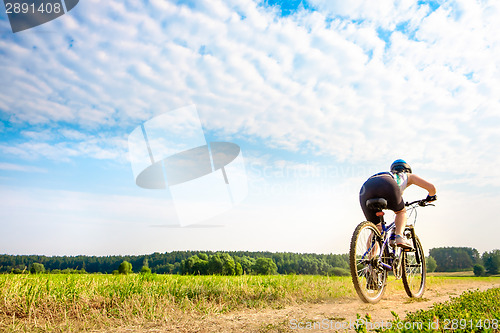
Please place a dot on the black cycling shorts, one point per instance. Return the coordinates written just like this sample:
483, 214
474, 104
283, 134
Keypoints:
381, 185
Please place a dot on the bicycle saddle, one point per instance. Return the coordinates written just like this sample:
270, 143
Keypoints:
376, 204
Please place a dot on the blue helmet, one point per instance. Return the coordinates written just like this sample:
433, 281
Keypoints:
400, 166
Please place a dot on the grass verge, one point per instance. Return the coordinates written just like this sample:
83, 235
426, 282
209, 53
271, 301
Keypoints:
91, 302
85, 302
473, 311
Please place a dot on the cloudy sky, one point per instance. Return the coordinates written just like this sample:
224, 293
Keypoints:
318, 95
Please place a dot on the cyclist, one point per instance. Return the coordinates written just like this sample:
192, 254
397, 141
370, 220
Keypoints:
390, 186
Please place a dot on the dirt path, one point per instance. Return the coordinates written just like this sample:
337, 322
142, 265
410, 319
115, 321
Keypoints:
327, 316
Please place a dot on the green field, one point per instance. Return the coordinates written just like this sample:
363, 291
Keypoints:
52, 302
473, 311
75, 302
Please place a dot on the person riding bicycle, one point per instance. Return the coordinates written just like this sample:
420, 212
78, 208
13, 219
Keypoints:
390, 186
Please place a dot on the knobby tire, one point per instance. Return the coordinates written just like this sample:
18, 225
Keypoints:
360, 269
414, 273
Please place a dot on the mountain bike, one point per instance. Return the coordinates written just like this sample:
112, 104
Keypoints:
371, 255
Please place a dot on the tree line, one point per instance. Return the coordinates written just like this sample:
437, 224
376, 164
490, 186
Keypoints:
443, 259
453, 259
185, 262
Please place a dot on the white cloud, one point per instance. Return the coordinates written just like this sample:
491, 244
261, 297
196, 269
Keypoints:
324, 80
111, 148
81, 223
21, 168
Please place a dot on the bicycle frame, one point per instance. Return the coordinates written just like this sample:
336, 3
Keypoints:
385, 232
395, 251
372, 255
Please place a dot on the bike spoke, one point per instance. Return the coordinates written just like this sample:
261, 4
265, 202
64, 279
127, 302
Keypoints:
414, 272
368, 278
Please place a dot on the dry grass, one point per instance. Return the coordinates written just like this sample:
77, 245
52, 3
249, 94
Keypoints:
452, 274
94, 302
75, 303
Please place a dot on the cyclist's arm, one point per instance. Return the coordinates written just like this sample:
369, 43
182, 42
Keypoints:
420, 182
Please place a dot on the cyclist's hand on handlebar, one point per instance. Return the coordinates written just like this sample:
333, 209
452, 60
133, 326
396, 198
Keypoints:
431, 198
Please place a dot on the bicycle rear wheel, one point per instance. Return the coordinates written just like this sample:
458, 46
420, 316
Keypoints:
414, 273
369, 278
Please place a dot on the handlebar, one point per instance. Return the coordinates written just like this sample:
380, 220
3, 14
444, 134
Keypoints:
421, 203
413, 205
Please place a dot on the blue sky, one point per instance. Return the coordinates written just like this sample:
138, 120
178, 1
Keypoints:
319, 95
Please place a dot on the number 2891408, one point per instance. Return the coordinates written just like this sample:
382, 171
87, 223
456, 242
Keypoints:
31, 8
463, 324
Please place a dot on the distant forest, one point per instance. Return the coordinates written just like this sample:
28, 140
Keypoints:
187, 262
444, 259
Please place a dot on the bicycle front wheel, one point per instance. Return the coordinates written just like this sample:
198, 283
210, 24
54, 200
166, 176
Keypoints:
368, 276
414, 270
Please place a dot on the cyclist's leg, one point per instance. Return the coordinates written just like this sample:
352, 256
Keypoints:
396, 203
400, 221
